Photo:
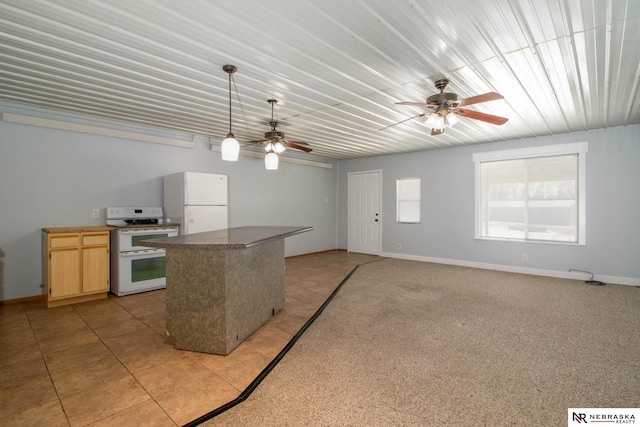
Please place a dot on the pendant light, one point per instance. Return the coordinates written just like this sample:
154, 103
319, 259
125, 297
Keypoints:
230, 147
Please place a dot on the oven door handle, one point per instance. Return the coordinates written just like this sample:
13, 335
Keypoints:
150, 230
132, 254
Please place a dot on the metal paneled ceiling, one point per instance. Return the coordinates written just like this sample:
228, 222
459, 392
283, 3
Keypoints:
337, 67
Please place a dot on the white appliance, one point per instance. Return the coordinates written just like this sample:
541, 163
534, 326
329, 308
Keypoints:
136, 268
198, 201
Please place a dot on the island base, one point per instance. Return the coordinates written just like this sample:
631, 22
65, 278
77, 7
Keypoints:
217, 298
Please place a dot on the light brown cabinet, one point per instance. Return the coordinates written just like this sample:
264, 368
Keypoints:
75, 264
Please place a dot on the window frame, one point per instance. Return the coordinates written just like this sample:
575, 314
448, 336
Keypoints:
578, 148
399, 200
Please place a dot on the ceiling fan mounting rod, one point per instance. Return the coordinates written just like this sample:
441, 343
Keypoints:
273, 123
273, 134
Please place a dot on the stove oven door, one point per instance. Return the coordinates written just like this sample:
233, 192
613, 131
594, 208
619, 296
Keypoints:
140, 271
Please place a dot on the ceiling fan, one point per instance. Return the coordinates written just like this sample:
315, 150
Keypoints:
444, 108
275, 139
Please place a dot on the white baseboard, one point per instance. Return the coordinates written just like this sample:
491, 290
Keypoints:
629, 281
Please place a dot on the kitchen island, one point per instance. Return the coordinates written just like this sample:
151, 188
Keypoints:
223, 285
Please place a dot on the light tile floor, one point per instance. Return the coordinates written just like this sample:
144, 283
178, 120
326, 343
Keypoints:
108, 362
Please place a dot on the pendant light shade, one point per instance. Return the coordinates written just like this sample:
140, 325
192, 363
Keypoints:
230, 147
431, 120
278, 147
451, 119
271, 161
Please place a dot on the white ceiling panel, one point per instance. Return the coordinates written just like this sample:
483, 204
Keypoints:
337, 67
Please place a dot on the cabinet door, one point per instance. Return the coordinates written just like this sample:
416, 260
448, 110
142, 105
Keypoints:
64, 270
95, 269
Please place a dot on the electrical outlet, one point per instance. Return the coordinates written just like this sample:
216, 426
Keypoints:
398, 246
525, 257
95, 213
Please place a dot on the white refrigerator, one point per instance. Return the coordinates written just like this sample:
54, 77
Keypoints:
198, 201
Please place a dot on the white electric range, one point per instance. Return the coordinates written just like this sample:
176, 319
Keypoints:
136, 268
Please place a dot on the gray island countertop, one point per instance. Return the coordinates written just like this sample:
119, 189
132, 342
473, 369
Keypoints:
229, 238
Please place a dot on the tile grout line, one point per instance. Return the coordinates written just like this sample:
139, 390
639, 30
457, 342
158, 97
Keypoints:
124, 366
46, 365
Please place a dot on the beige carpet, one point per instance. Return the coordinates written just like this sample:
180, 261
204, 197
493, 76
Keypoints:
420, 344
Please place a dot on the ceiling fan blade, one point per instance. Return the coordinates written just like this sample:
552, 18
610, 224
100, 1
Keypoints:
297, 145
477, 115
435, 131
405, 120
489, 96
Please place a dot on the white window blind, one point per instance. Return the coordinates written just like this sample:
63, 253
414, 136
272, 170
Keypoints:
408, 200
531, 195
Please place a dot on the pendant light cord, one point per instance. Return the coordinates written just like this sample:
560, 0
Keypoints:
230, 104
229, 69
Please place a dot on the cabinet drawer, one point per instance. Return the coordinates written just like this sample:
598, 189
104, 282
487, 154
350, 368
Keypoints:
58, 241
97, 239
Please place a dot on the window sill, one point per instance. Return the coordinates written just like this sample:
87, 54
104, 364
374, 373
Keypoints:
544, 242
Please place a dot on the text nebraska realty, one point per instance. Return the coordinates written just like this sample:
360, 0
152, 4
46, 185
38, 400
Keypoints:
611, 418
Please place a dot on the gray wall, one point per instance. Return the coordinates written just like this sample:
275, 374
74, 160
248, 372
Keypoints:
446, 232
54, 178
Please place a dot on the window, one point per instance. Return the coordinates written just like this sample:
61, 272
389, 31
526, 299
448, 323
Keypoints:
533, 194
408, 200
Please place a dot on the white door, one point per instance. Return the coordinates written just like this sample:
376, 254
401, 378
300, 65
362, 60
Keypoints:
205, 189
198, 219
364, 213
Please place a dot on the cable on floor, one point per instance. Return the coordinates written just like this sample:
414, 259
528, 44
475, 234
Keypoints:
590, 281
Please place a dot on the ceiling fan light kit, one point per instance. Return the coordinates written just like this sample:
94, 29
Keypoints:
230, 148
276, 147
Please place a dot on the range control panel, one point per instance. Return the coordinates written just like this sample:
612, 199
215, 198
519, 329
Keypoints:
127, 216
